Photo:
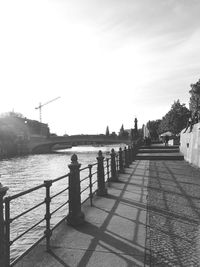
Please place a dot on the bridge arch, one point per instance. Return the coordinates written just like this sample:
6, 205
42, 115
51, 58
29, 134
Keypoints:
46, 145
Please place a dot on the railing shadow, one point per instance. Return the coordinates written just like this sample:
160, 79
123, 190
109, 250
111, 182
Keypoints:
58, 259
120, 233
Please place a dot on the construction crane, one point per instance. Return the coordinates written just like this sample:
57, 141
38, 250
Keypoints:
41, 105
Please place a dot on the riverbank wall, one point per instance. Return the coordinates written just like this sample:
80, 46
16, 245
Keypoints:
190, 145
8, 150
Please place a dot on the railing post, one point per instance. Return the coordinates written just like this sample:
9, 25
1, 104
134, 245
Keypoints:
126, 157
136, 148
114, 177
133, 152
129, 155
101, 190
7, 231
108, 171
121, 165
75, 215
117, 162
48, 232
3, 190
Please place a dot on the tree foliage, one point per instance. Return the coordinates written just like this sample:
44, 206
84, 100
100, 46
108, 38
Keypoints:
153, 127
11, 114
195, 97
176, 119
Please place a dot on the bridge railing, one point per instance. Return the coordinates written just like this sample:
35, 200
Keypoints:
95, 179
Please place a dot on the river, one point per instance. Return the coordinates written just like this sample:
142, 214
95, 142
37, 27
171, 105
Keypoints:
22, 173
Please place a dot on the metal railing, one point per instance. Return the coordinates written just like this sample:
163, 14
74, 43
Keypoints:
97, 179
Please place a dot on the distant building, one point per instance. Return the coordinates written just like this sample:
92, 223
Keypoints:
23, 128
37, 128
16, 131
128, 131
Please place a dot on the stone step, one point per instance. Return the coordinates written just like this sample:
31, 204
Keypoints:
159, 156
147, 150
160, 147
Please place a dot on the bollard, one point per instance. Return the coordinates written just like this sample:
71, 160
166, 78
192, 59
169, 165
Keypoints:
126, 158
3, 190
121, 164
101, 190
75, 215
114, 177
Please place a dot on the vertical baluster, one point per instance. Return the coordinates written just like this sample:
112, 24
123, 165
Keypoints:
108, 171
48, 232
117, 163
121, 165
90, 183
3, 243
126, 157
7, 231
129, 155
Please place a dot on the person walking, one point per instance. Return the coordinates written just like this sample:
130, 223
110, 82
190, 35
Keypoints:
166, 140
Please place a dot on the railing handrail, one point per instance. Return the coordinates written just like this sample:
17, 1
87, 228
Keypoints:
25, 192
108, 167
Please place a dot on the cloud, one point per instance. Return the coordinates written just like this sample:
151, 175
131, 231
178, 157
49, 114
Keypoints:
136, 56
140, 17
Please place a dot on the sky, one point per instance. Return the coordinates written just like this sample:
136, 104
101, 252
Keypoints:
109, 61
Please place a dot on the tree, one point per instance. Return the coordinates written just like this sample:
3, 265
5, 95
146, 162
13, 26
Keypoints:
195, 97
12, 114
153, 127
107, 131
176, 119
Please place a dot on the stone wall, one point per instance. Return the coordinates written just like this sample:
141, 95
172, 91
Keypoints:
190, 145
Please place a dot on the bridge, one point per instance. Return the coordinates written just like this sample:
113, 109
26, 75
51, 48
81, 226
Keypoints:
46, 145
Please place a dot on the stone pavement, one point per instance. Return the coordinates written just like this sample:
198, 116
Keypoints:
173, 232
150, 218
114, 233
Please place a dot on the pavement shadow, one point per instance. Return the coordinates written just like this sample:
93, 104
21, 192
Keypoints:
58, 259
121, 235
110, 240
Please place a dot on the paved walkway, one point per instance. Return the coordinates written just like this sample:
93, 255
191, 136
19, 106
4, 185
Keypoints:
119, 232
